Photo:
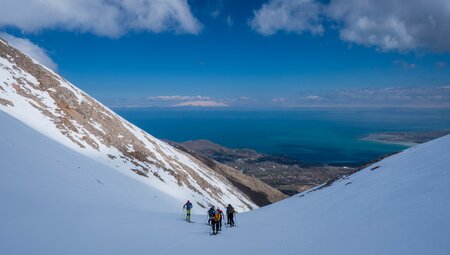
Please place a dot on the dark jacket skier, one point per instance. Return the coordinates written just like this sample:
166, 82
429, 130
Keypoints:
230, 215
188, 206
211, 212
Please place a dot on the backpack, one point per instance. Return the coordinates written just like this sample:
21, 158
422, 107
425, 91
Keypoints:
216, 216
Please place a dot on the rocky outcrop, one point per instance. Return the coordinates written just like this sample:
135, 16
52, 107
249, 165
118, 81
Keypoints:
259, 192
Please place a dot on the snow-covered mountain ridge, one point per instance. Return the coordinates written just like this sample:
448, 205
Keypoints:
54, 107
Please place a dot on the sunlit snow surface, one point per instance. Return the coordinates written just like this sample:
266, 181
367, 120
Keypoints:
56, 201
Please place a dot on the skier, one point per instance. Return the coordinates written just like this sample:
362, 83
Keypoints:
211, 214
221, 218
230, 215
215, 222
188, 207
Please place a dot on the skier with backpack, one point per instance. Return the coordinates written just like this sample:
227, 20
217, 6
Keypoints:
211, 212
188, 206
230, 215
220, 212
215, 221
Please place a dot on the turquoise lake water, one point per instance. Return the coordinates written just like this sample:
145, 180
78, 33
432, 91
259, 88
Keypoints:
312, 136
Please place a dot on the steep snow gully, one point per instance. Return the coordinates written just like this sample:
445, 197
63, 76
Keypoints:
57, 201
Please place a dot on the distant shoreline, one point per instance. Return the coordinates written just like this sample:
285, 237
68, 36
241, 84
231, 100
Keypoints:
407, 139
380, 138
288, 175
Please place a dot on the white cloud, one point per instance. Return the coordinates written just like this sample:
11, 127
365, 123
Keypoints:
404, 64
178, 98
229, 20
385, 24
30, 49
394, 24
185, 101
200, 104
181, 101
295, 16
312, 97
279, 100
421, 97
111, 18
214, 8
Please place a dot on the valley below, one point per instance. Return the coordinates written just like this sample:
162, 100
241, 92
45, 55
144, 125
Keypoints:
292, 176
288, 175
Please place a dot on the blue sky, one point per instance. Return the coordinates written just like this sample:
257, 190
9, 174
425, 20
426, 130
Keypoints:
241, 53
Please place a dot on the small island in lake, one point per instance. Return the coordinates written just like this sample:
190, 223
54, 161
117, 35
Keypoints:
408, 139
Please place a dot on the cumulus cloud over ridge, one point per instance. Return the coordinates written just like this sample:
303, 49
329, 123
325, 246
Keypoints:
30, 49
111, 18
385, 24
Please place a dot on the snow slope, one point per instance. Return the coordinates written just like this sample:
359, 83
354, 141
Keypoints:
56, 199
60, 202
46, 102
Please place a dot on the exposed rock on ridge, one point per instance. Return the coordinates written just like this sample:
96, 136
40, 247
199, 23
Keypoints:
259, 192
46, 102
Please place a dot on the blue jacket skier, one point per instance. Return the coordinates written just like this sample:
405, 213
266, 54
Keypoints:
188, 206
211, 212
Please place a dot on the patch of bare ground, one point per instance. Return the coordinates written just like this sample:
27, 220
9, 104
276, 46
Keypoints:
5, 102
256, 190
